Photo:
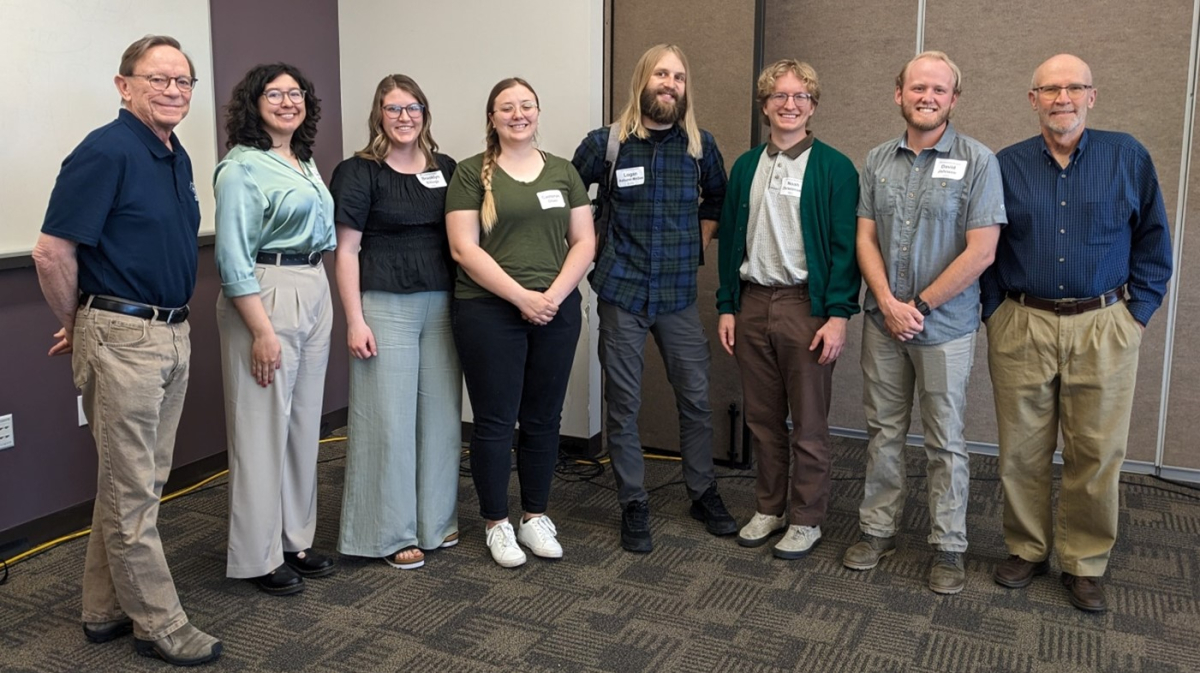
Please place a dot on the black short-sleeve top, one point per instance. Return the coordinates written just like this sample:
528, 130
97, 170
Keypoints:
402, 218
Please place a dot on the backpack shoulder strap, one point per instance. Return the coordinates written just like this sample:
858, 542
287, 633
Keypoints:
610, 153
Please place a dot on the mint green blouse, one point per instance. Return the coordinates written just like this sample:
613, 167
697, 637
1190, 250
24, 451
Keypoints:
265, 204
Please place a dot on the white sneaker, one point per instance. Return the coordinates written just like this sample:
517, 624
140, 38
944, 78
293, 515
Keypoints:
502, 542
798, 542
761, 527
539, 535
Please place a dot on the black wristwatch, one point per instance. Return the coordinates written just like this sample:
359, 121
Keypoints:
922, 306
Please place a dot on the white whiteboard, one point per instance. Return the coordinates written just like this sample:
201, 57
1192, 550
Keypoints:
57, 62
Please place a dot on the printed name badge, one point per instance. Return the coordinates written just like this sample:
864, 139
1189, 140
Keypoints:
791, 186
432, 179
551, 198
631, 177
953, 169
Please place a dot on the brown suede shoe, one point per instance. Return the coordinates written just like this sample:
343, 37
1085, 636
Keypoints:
1017, 573
1085, 593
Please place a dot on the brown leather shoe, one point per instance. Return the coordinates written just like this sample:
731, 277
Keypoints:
1017, 573
1085, 593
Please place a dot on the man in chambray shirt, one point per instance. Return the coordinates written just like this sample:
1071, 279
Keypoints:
1081, 266
930, 205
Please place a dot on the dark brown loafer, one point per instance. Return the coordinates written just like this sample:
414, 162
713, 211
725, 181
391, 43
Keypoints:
1017, 573
1085, 593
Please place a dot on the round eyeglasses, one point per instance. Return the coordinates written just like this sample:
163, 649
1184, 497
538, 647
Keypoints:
275, 96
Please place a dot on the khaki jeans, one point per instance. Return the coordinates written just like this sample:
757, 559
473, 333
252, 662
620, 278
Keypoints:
1076, 373
133, 374
939, 374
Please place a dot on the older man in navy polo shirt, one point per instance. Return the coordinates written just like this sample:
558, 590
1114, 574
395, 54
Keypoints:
1080, 268
117, 263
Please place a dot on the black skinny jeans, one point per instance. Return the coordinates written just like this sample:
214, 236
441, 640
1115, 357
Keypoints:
516, 373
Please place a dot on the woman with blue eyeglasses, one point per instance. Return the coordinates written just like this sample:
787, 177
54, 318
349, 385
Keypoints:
395, 276
274, 316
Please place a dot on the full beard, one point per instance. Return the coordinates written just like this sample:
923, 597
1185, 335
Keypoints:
662, 113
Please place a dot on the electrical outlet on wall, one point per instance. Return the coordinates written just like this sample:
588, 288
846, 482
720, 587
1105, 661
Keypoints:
6, 431
79, 406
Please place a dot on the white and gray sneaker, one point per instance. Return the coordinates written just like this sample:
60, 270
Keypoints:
798, 542
539, 534
502, 542
759, 529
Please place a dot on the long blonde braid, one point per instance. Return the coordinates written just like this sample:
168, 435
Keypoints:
487, 211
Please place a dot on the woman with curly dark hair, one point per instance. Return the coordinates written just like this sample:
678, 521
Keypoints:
274, 315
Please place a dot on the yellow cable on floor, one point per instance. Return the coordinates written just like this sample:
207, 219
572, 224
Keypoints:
166, 498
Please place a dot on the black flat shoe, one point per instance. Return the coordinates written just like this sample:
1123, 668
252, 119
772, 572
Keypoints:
282, 581
308, 563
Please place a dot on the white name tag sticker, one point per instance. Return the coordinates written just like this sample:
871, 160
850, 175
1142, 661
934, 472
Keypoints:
953, 169
551, 198
791, 186
432, 179
631, 177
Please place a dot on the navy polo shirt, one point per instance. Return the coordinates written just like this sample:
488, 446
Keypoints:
130, 204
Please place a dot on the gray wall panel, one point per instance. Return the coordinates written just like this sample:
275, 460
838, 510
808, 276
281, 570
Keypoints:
998, 48
857, 51
1180, 446
718, 39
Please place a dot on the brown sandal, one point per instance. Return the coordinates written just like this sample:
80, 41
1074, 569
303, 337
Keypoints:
450, 541
409, 558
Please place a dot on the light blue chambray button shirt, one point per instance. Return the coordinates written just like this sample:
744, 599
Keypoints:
265, 204
923, 206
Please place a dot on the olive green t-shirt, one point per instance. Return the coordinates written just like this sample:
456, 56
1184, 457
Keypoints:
529, 240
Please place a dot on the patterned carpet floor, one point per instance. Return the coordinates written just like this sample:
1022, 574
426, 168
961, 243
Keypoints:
697, 603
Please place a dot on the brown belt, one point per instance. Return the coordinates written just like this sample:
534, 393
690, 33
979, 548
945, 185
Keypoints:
1066, 306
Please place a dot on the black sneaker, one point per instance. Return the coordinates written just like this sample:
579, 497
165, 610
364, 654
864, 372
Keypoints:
635, 527
709, 509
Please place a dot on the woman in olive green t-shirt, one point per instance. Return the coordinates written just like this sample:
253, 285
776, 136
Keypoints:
520, 228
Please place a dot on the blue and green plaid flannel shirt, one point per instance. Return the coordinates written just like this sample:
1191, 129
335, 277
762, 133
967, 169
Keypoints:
648, 265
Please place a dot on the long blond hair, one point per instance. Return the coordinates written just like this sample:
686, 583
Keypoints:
491, 151
378, 145
630, 120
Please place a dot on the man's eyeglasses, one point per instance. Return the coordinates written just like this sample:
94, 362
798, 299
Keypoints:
275, 96
781, 98
1051, 92
414, 110
160, 83
526, 106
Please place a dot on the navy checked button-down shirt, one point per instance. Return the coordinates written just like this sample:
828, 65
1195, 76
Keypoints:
1080, 231
648, 265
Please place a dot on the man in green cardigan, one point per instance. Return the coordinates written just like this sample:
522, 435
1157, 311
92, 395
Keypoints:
789, 284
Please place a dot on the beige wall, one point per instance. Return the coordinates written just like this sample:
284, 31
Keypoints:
457, 51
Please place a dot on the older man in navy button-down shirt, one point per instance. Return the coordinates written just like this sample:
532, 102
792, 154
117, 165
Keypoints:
1081, 266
